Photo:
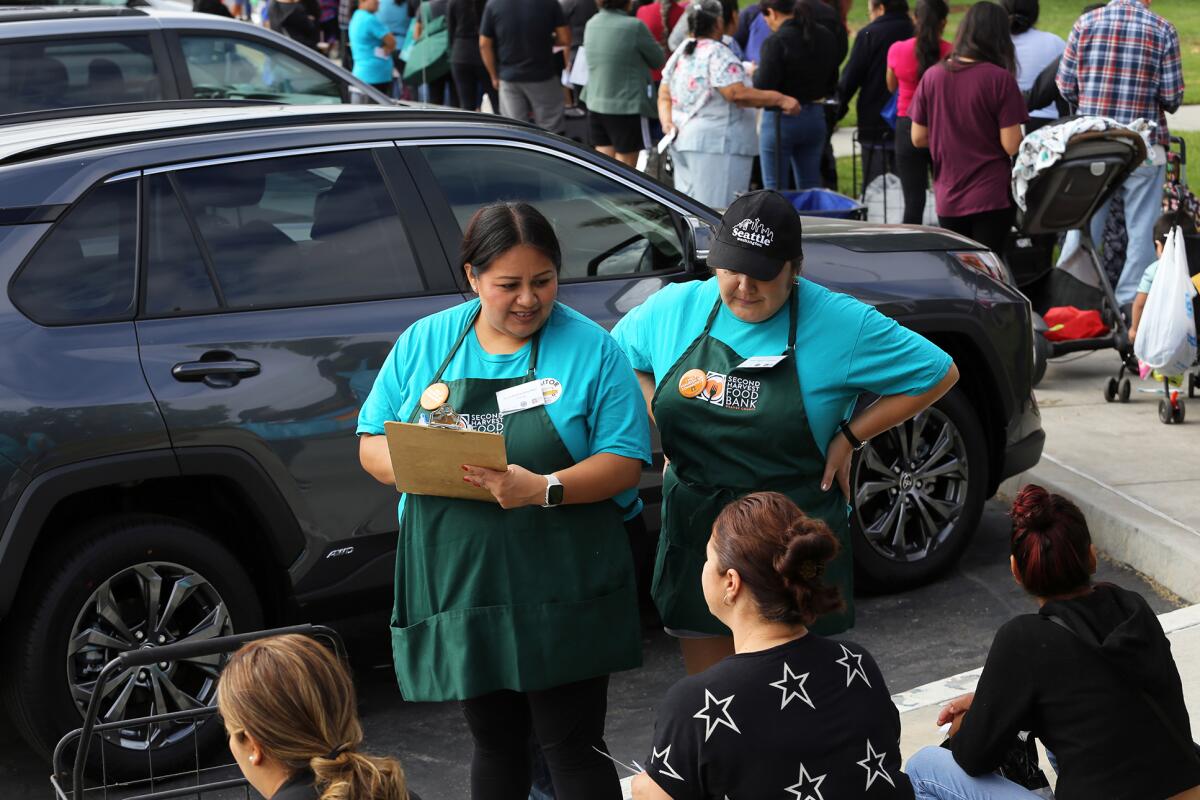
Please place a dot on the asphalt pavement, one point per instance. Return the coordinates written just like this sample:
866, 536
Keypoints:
918, 636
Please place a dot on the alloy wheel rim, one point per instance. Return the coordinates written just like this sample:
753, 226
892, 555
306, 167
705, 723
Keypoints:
910, 487
145, 606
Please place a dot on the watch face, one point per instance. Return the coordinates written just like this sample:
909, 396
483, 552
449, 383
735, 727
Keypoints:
555, 495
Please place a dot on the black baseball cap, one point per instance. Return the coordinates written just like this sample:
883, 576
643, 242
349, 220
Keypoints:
759, 233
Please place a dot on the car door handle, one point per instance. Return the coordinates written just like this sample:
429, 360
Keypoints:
216, 368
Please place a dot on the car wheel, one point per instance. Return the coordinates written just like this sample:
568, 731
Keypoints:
128, 583
918, 493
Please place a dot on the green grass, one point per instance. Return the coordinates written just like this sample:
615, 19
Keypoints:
1059, 15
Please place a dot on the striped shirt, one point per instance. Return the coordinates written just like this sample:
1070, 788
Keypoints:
1122, 61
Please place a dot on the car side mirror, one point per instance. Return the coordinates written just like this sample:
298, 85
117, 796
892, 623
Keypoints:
699, 237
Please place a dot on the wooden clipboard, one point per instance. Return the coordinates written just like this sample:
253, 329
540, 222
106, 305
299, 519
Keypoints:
428, 460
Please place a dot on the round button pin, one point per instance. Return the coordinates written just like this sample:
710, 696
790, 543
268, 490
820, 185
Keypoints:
692, 382
435, 396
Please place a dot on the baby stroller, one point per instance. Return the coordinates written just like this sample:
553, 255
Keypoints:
1062, 198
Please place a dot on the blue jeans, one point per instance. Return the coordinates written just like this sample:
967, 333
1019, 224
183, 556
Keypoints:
1143, 206
935, 775
800, 142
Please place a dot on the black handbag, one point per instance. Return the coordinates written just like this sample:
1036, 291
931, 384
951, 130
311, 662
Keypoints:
1020, 764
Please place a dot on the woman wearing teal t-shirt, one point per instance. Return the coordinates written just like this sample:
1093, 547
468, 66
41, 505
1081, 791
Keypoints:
751, 377
520, 609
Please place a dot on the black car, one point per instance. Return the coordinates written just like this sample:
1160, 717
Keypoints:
54, 57
198, 302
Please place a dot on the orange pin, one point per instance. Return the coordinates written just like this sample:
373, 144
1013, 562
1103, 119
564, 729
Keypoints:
692, 382
435, 396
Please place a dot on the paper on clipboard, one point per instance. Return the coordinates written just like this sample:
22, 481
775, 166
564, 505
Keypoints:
428, 460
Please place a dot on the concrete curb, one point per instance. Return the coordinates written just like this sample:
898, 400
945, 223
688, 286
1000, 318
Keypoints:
1124, 527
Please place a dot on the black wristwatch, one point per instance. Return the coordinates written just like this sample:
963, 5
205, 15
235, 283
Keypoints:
855, 443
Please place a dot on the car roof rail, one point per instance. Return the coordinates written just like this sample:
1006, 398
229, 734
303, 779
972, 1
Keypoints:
34, 140
74, 112
17, 12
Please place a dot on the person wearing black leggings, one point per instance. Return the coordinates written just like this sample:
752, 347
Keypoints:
471, 79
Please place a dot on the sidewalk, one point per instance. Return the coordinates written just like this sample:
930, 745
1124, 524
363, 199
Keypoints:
1187, 118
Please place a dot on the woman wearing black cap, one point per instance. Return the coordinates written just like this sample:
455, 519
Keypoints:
751, 377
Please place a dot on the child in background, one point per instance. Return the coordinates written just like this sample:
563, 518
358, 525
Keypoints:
1162, 229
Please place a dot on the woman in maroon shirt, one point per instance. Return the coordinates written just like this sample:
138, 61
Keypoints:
968, 111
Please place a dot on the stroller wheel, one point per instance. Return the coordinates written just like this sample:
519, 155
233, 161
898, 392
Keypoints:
1193, 382
1110, 390
1166, 414
1124, 390
1177, 416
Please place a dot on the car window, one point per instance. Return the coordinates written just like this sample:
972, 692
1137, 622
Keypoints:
606, 228
177, 278
65, 73
298, 230
230, 67
84, 270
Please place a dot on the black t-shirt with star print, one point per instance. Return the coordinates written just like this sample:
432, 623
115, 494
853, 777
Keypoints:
807, 720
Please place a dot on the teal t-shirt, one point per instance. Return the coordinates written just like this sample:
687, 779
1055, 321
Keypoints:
366, 34
843, 347
1148, 277
600, 408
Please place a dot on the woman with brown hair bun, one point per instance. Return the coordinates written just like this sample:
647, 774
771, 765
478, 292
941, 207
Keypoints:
290, 712
790, 711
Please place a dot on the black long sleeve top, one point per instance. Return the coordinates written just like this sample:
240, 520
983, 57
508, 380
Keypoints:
797, 63
1083, 701
865, 73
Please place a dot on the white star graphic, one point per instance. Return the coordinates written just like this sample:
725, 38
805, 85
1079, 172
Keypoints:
857, 669
711, 722
666, 768
873, 764
792, 686
807, 787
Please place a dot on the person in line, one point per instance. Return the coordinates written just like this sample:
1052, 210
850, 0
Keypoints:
441, 90
907, 62
730, 8
1122, 61
292, 719
790, 711
295, 20
620, 54
1162, 230
471, 80
523, 607
783, 422
1035, 50
660, 18
517, 40
865, 74
372, 45
968, 111
577, 14
396, 16
799, 61
1044, 91
702, 104
1090, 674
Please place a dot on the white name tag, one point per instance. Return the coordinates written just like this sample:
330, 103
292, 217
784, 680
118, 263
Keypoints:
520, 398
760, 362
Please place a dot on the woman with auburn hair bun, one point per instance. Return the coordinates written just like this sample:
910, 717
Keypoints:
290, 711
1090, 674
790, 711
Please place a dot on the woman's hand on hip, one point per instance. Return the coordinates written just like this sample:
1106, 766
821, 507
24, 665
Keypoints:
789, 105
838, 457
513, 488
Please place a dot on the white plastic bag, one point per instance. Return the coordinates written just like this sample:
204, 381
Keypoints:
884, 199
1166, 338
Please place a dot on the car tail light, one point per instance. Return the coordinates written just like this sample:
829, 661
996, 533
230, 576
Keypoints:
987, 262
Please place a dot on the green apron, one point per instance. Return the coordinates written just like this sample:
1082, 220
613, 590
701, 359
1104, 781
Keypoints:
746, 432
524, 599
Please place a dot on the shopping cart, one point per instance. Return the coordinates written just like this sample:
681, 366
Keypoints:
74, 757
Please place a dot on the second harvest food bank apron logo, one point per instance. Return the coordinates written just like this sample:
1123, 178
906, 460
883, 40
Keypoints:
727, 391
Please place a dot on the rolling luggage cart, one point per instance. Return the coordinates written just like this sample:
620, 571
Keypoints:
1063, 198
70, 776
813, 202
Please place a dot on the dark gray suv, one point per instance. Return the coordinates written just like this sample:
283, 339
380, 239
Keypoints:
198, 301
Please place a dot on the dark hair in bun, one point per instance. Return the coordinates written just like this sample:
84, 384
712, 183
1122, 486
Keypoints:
780, 554
1050, 542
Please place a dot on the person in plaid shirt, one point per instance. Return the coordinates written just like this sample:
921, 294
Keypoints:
1122, 61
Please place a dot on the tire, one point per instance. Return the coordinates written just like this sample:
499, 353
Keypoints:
1041, 357
125, 556
1166, 414
1180, 412
948, 446
1110, 390
1124, 390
